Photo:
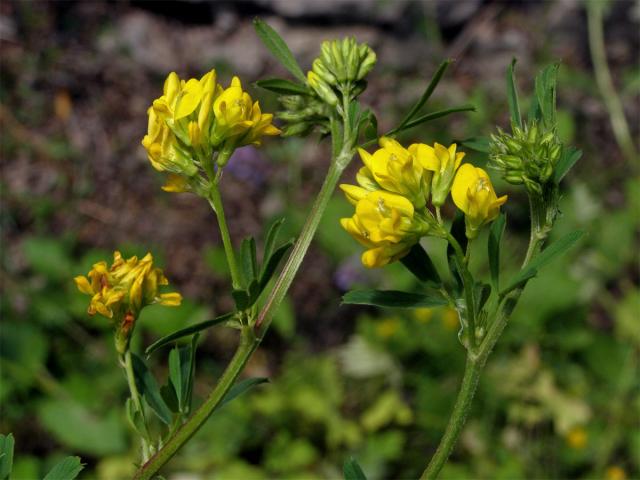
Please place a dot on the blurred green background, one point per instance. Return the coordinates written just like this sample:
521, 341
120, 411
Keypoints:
561, 394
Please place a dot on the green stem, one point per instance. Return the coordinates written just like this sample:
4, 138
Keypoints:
605, 83
457, 419
215, 200
135, 398
249, 340
474, 366
467, 281
248, 344
542, 215
302, 244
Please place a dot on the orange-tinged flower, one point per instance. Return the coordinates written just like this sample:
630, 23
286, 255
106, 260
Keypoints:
120, 291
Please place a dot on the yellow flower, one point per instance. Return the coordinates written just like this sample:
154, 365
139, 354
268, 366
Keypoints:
181, 98
423, 315
387, 225
195, 119
450, 319
396, 169
178, 120
473, 193
443, 162
577, 438
120, 291
163, 150
615, 473
236, 114
388, 327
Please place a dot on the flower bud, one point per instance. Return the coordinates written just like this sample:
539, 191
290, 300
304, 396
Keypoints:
344, 62
529, 155
322, 88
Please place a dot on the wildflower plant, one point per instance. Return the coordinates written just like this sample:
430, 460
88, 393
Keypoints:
194, 127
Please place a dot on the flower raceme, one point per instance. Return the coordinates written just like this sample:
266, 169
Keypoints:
393, 188
119, 292
386, 223
398, 170
473, 193
196, 120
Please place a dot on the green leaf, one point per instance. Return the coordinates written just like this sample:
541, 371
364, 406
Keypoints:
183, 332
535, 114
188, 389
512, 96
353, 114
545, 86
248, 260
556, 248
272, 264
170, 397
149, 389
98, 434
569, 157
48, 256
175, 374
270, 240
134, 417
278, 48
336, 136
393, 299
352, 470
431, 116
479, 144
7, 444
418, 262
481, 295
241, 387
493, 245
241, 299
67, 469
369, 122
425, 95
283, 87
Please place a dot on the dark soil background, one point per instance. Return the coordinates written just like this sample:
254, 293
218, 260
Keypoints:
78, 76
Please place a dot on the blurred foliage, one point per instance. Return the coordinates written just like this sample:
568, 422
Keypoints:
560, 398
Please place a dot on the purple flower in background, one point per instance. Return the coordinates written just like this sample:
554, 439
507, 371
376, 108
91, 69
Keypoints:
249, 165
349, 273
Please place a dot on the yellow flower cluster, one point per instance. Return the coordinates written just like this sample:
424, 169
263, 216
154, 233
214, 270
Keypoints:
394, 186
120, 291
195, 119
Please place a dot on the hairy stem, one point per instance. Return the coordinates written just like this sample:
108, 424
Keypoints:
135, 398
248, 344
299, 249
457, 419
542, 215
215, 200
251, 337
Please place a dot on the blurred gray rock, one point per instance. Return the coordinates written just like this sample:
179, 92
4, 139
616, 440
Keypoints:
380, 11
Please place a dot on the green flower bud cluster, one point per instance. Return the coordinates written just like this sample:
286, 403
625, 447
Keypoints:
528, 156
341, 68
302, 113
343, 61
